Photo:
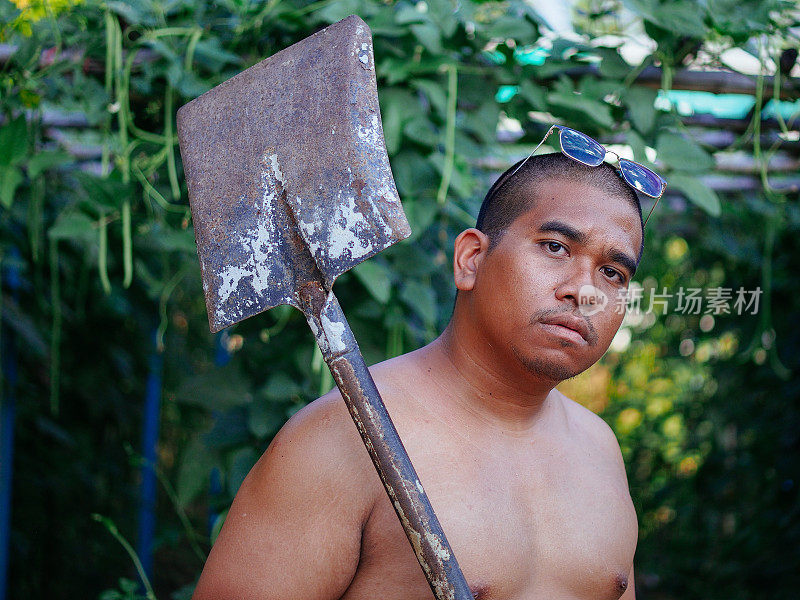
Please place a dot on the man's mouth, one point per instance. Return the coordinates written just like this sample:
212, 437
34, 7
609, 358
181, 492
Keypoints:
567, 326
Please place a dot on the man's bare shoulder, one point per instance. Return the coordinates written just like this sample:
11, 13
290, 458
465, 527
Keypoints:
300, 512
320, 435
592, 429
392, 375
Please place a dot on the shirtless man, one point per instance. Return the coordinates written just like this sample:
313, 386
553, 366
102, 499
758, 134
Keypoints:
529, 486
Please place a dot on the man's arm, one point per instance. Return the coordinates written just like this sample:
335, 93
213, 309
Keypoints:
294, 529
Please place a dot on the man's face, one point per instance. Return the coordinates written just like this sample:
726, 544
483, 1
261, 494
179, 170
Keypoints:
536, 294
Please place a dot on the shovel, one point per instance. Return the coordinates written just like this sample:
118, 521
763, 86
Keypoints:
290, 186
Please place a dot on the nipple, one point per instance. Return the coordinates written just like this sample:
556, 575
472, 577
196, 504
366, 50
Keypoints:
621, 581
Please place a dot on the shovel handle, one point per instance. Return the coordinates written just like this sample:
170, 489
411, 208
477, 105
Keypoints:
410, 502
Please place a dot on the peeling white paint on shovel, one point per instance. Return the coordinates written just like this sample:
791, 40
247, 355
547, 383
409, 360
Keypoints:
257, 242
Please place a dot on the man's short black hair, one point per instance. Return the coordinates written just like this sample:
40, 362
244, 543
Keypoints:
515, 191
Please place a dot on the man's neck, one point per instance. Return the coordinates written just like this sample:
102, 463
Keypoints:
482, 388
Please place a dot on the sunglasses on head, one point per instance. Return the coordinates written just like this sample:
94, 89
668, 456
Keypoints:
580, 147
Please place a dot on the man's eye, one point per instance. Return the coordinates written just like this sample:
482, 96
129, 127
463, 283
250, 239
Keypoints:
613, 273
554, 247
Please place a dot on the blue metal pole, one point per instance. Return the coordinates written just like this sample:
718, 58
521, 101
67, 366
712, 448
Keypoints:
221, 354
7, 417
150, 426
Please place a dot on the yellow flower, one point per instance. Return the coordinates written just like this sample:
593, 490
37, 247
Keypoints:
676, 249
34, 10
688, 466
673, 426
628, 420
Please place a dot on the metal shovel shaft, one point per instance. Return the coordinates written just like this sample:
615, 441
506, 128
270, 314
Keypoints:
399, 478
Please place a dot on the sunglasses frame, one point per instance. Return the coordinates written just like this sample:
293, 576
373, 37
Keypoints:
561, 129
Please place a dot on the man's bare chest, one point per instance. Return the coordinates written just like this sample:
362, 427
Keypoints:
554, 525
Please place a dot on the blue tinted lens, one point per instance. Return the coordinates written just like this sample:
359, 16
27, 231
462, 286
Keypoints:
641, 178
581, 147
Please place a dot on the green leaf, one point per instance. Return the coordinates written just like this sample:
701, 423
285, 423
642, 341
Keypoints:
383, 27
552, 67
167, 239
435, 94
638, 146
641, 106
462, 182
423, 131
73, 226
429, 36
185, 82
407, 14
445, 14
104, 191
280, 387
336, 11
217, 389
742, 21
700, 194
392, 123
681, 153
10, 178
241, 463
396, 70
193, 471
597, 89
598, 112
135, 12
163, 49
483, 122
421, 298
376, 278
508, 27
683, 18
460, 217
211, 54
44, 161
643, 8
612, 64
265, 417
412, 173
397, 107
13, 141
27, 50
467, 147
534, 94
229, 430
420, 214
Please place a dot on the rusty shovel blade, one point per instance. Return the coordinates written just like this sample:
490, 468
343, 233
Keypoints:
288, 177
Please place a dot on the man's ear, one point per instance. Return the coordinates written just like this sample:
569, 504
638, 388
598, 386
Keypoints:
470, 247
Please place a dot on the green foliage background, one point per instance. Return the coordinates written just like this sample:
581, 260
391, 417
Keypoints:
95, 222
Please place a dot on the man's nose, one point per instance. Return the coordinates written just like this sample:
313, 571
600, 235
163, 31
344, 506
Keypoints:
573, 279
